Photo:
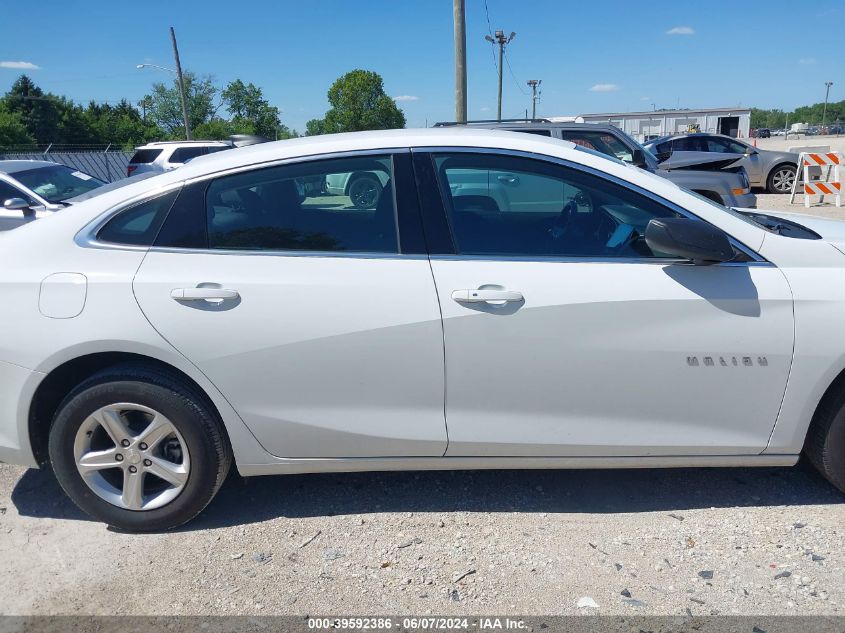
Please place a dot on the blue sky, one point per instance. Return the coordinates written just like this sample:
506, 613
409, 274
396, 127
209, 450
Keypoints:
591, 56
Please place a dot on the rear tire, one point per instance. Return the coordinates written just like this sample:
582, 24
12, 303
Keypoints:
128, 483
781, 179
825, 443
364, 191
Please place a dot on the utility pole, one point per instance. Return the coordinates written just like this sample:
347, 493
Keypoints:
827, 86
534, 83
181, 81
458, 7
502, 41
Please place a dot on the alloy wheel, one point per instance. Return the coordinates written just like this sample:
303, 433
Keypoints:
364, 193
783, 179
131, 456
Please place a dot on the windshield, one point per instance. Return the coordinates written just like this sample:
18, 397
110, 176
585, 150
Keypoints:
57, 183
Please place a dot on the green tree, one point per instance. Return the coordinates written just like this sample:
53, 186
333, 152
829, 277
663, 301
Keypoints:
359, 102
314, 127
12, 130
251, 112
165, 108
37, 111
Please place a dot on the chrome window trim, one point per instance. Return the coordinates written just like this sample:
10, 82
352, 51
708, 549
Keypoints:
87, 236
756, 257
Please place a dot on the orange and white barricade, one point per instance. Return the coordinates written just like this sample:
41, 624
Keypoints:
831, 164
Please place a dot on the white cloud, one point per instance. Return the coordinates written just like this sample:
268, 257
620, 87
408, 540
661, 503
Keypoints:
484, 109
681, 30
406, 98
645, 98
807, 61
19, 65
604, 88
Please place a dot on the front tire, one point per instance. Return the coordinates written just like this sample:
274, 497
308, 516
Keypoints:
781, 179
137, 449
825, 443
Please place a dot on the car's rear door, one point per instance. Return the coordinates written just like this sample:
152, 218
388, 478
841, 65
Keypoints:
566, 335
317, 320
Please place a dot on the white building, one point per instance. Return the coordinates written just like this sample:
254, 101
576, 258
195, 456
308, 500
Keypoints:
644, 126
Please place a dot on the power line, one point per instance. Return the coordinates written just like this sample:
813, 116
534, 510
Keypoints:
507, 61
490, 35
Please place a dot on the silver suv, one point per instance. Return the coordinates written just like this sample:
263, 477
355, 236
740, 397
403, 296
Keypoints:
166, 155
718, 178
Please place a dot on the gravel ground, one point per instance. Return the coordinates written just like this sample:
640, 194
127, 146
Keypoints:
636, 542
641, 542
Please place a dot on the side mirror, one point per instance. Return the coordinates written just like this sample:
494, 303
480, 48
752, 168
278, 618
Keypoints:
638, 158
751, 151
16, 204
691, 239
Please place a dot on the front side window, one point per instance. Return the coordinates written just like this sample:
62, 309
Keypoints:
7, 192
512, 206
602, 142
342, 204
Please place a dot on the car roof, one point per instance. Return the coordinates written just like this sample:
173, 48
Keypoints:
160, 144
535, 125
372, 140
12, 166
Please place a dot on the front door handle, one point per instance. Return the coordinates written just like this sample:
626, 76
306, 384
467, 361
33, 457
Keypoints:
203, 294
481, 295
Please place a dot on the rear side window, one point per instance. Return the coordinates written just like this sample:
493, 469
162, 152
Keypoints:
138, 225
603, 142
184, 154
143, 156
344, 204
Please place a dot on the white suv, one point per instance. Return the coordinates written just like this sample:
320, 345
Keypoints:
166, 155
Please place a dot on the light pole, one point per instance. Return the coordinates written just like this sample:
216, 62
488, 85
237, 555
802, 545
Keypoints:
181, 95
502, 41
181, 84
458, 8
827, 86
534, 83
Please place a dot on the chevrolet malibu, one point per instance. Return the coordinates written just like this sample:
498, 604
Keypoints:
506, 301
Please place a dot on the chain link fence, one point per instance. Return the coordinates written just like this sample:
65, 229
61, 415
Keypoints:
101, 161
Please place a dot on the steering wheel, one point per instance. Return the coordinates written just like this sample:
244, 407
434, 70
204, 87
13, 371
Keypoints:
563, 220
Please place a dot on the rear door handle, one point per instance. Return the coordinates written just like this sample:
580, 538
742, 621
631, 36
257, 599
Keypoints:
481, 295
509, 179
203, 294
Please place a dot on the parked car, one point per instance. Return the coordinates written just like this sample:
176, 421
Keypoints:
762, 132
363, 188
168, 329
31, 189
163, 156
772, 170
799, 128
714, 177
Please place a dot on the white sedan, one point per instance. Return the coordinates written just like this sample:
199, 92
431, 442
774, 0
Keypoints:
509, 301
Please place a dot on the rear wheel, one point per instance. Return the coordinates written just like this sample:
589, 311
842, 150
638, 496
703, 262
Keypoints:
781, 179
138, 449
825, 444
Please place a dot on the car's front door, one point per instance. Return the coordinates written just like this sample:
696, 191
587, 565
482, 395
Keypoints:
313, 318
566, 335
750, 160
